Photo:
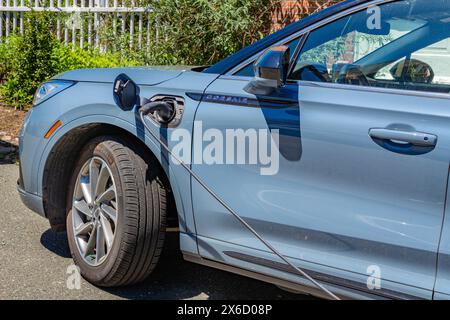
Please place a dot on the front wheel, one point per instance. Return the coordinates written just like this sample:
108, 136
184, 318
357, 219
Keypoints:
116, 213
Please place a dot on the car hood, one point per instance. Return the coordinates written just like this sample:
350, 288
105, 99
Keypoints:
141, 75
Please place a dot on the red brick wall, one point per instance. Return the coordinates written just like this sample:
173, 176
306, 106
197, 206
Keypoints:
288, 11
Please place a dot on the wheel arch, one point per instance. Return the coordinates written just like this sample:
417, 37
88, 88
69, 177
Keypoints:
61, 155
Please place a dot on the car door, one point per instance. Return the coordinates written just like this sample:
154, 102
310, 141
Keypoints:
359, 192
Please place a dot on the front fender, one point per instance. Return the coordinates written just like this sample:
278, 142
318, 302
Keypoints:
176, 174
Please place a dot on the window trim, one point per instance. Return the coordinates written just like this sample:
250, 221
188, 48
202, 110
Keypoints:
352, 87
298, 50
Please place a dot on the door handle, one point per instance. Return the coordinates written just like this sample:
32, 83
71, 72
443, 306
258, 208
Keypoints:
413, 137
404, 141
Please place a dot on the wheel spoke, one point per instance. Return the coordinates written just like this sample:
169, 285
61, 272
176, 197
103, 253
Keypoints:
107, 231
110, 212
100, 244
82, 207
84, 229
93, 178
84, 183
103, 177
90, 246
108, 195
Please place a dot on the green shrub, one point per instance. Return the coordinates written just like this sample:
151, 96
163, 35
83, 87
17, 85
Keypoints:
31, 61
197, 32
194, 32
8, 49
65, 58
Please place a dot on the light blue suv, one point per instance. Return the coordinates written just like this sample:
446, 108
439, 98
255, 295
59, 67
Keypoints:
350, 199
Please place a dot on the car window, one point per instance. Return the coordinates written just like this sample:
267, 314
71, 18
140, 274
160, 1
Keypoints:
401, 45
436, 56
248, 71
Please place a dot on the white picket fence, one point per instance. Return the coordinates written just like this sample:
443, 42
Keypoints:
84, 19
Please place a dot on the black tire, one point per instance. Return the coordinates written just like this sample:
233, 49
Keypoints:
141, 200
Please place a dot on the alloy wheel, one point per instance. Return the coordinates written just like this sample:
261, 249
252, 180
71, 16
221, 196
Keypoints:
94, 211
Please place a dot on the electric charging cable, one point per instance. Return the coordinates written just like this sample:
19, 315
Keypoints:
154, 107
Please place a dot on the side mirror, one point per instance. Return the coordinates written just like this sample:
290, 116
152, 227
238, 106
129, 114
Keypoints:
126, 92
271, 70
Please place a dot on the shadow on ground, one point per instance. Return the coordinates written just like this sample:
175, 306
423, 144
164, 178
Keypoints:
9, 153
56, 242
177, 279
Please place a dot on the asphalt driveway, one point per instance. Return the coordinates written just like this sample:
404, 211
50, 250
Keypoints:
34, 262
